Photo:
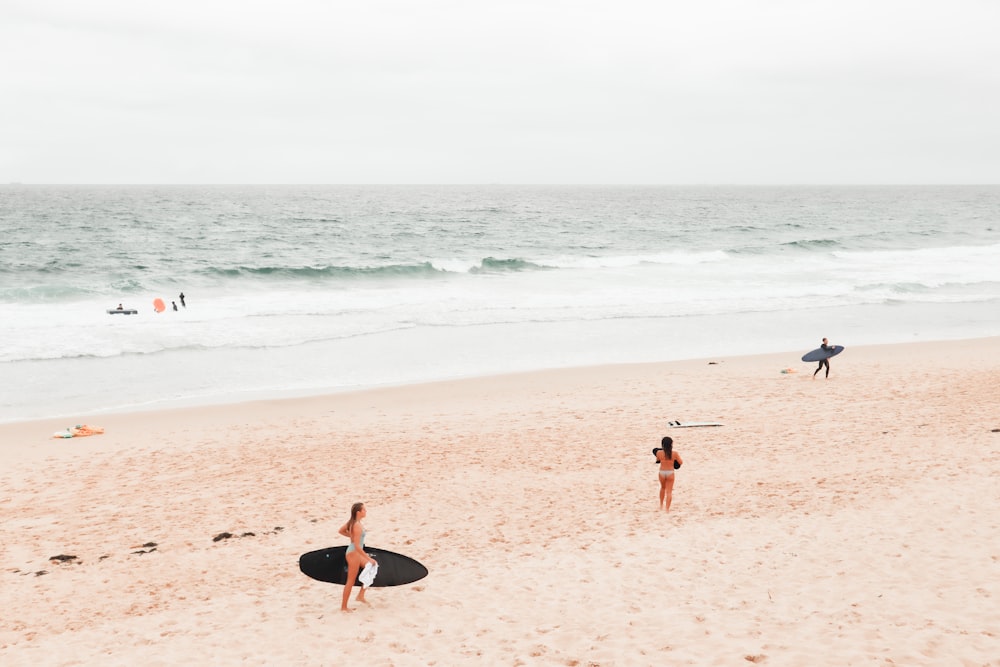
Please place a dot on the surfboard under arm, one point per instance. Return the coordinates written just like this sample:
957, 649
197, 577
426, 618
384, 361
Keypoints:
329, 565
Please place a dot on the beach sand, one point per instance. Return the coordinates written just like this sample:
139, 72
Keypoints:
848, 521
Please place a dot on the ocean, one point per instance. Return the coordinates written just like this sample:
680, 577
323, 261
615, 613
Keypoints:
297, 290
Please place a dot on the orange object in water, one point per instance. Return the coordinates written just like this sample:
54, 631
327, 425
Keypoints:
158, 305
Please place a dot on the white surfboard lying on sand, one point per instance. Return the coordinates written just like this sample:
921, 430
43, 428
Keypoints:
692, 424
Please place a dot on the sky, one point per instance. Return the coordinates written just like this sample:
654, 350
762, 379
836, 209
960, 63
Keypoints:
551, 92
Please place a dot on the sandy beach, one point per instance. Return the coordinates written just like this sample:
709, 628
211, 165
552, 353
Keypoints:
844, 521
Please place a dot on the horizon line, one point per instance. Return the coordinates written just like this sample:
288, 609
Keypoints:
502, 184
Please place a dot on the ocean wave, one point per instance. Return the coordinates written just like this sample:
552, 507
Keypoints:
314, 272
43, 293
493, 265
486, 265
898, 288
957, 253
750, 251
669, 258
319, 219
415, 270
151, 346
811, 244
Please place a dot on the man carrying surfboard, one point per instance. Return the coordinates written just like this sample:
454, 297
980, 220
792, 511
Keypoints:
825, 361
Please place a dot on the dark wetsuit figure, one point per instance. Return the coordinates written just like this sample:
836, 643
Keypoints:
824, 362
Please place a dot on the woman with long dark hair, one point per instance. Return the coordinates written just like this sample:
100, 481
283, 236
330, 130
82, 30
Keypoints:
669, 462
354, 530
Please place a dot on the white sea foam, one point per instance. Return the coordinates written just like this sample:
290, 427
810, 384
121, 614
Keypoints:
380, 297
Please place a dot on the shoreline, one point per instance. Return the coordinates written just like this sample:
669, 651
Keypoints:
228, 401
136, 423
828, 522
176, 378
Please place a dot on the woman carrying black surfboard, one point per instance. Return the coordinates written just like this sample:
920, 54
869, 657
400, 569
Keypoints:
356, 556
669, 462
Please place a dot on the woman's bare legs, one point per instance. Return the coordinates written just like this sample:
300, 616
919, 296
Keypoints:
353, 565
668, 490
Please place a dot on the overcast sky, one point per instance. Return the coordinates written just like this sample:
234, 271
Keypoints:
436, 91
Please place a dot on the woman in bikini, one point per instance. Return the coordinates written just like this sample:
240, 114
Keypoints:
669, 461
356, 556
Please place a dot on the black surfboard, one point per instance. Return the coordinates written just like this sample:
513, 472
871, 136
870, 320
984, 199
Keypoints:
329, 565
819, 353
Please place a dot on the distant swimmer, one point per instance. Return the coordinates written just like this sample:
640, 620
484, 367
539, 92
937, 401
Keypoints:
174, 304
824, 362
181, 297
119, 307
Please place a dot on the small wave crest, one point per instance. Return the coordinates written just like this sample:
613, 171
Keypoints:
811, 244
321, 272
493, 265
42, 293
413, 270
669, 258
896, 288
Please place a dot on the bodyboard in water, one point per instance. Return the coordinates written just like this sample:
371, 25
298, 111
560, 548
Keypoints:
330, 565
819, 353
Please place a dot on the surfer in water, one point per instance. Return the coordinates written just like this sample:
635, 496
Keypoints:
669, 461
354, 530
824, 362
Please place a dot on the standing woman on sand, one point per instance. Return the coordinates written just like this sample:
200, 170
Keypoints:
356, 556
669, 461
